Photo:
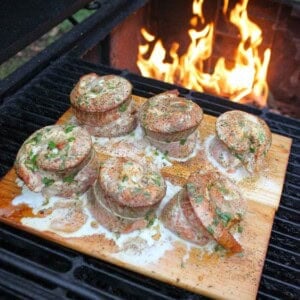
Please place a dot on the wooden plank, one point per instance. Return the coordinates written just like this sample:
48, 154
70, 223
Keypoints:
186, 266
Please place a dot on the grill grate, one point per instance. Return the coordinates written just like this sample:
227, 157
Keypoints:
33, 266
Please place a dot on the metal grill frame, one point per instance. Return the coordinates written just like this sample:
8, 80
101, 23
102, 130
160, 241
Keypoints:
36, 96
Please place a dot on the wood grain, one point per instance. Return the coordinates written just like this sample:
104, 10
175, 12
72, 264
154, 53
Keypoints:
230, 277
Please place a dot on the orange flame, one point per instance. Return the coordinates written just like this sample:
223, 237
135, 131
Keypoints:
245, 81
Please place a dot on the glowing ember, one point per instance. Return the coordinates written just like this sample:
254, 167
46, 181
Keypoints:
243, 82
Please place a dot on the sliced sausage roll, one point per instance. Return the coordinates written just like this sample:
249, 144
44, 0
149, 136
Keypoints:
208, 207
127, 193
217, 204
169, 121
242, 138
58, 160
103, 105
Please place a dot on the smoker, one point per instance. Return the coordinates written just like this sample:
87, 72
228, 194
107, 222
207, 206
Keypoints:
36, 95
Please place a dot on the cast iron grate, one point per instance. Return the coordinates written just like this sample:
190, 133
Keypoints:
32, 264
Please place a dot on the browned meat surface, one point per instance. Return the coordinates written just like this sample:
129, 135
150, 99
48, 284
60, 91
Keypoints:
58, 160
246, 136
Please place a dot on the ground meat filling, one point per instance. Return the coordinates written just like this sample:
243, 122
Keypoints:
217, 204
247, 137
103, 103
169, 122
58, 160
128, 191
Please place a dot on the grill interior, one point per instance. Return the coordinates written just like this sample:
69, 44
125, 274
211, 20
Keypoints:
35, 268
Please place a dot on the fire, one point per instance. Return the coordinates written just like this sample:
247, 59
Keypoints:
243, 82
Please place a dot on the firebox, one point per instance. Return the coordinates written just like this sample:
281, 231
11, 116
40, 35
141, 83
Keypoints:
243, 50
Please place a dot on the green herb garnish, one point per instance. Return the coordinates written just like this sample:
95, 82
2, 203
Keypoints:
219, 248
182, 141
31, 162
156, 179
240, 229
261, 137
51, 155
47, 181
123, 107
191, 187
238, 156
210, 229
150, 218
224, 216
69, 178
252, 149
216, 221
223, 190
147, 194
137, 190
110, 85
71, 139
199, 199
151, 222
51, 145
69, 128
241, 123
124, 178
165, 156
36, 139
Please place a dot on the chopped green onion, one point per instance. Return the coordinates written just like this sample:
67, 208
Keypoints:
69, 178
199, 199
31, 163
47, 181
210, 229
240, 229
182, 141
224, 216
123, 107
69, 128
51, 145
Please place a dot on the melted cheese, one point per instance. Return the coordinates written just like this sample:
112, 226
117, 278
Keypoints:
140, 247
132, 145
